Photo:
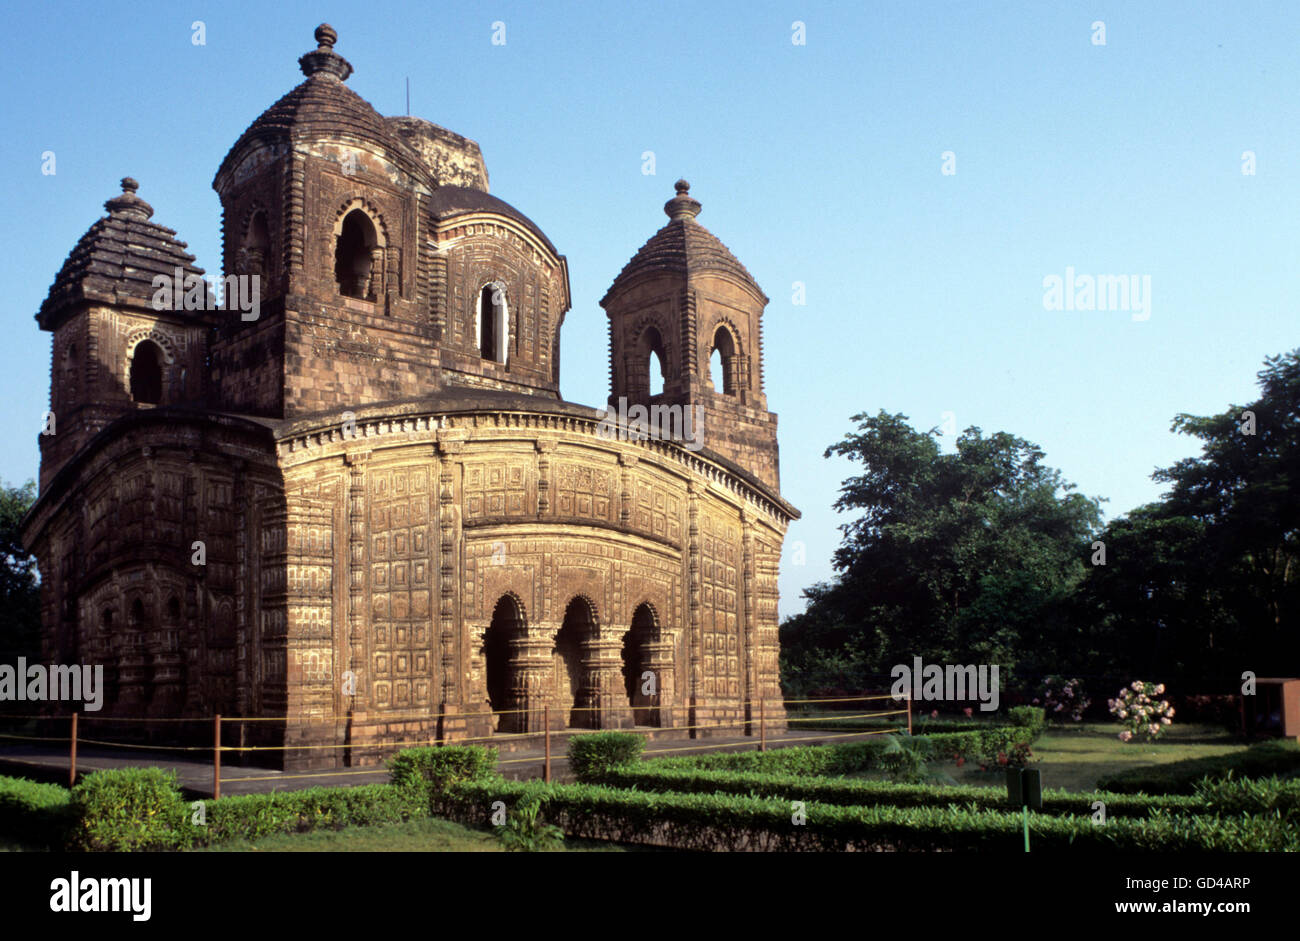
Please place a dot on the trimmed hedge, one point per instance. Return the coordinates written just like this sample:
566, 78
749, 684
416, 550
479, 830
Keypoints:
983, 746
128, 809
798, 759
438, 767
142, 809
896, 754
251, 816
1029, 717
600, 751
1263, 796
711, 822
841, 792
1182, 777
34, 813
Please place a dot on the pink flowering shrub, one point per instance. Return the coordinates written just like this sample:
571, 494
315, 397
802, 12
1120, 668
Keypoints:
1140, 712
1063, 699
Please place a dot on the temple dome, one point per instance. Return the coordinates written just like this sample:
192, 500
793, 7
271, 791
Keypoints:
323, 106
685, 247
117, 259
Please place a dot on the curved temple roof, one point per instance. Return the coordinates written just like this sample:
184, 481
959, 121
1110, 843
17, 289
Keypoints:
117, 259
683, 246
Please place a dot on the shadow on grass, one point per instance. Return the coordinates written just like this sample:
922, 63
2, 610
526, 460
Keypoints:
426, 835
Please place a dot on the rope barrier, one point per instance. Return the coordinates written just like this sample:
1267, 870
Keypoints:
289, 777
747, 727
790, 702
38, 738
865, 715
130, 719
427, 716
91, 741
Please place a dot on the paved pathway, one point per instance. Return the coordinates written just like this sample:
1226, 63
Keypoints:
195, 774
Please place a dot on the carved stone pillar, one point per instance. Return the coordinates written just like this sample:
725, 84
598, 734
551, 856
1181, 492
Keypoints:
603, 690
545, 449
626, 461
132, 671
659, 661
356, 461
167, 672
696, 608
530, 682
747, 612
374, 289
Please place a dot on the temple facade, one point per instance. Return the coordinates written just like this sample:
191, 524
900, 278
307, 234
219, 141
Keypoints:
345, 501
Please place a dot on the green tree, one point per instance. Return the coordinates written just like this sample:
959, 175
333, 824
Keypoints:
1155, 609
1244, 489
20, 616
966, 557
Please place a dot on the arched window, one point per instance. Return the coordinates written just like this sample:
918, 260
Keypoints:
146, 373
724, 346
354, 256
257, 243
650, 359
492, 323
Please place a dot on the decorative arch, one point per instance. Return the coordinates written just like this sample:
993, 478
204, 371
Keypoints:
360, 241
586, 599
651, 346
165, 342
724, 342
370, 209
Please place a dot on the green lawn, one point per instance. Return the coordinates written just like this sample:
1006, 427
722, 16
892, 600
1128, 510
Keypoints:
1073, 758
414, 836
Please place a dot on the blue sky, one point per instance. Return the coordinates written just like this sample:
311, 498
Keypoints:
818, 163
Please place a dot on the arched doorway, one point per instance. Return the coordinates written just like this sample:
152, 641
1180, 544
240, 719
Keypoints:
507, 625
642, 680
578, 628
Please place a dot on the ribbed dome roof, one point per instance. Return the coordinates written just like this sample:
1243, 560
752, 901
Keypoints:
117, 259
450, 201
323, 106
683, 246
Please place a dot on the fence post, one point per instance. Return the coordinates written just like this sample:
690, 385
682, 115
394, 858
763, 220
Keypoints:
909, 713
72, 760
762, 727
216, 757
546, 719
